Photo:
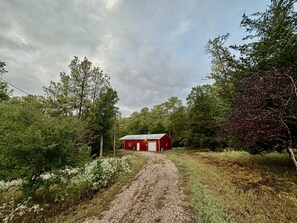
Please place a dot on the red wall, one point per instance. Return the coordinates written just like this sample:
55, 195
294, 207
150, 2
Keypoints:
165, 142
133, 144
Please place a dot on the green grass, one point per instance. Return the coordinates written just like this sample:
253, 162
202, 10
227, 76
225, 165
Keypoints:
238, 187
101, 201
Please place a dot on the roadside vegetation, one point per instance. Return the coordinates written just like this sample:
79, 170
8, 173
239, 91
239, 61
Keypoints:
236, 186
49, 145
51, 192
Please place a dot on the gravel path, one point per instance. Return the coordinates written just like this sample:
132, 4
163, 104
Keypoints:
155, 195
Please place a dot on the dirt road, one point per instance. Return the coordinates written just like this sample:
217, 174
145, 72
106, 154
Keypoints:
155, 195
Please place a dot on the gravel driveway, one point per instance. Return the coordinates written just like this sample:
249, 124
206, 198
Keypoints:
155, 195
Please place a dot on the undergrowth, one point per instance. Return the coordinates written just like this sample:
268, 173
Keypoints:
33, 200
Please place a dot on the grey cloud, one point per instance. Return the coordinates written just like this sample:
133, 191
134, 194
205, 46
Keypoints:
151, 49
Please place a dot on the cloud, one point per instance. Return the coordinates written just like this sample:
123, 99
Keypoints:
151, 49
111, 3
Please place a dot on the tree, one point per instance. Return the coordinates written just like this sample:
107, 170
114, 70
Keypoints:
75, 94
138, 122
272, 37
156, 119
174, 120
202, 118
81, 75
32, 143
167, 117
104, 114
4, 91
59, 98
223, 70
264, 112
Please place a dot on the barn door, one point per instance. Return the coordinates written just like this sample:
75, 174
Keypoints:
138, 146
152, 146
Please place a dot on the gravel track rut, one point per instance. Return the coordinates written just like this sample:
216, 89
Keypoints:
155, 195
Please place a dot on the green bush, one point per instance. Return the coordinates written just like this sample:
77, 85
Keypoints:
32, 142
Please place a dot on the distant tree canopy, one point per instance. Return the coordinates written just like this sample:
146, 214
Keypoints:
167, 117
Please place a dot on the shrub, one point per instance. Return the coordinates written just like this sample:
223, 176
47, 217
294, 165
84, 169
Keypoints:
32, 143
60, 188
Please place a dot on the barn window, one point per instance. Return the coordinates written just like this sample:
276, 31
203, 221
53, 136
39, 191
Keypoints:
129, 144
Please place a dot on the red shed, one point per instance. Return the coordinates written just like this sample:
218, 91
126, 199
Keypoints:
150, 142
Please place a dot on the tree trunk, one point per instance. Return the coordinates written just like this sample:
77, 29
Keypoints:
292, 156
289, 145
114, 141
101, 146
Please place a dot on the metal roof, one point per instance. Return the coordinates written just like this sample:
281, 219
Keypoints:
143, 137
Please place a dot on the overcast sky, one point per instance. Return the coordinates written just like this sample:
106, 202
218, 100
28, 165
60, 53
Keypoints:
152, 49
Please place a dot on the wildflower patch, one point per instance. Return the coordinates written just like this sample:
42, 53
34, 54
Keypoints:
58, 187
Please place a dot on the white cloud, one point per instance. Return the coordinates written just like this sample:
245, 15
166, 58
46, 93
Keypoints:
16, 33
111, 3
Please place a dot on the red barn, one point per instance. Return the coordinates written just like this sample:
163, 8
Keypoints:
150, 142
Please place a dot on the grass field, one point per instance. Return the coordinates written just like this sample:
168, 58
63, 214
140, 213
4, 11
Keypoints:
237, 186
101, 200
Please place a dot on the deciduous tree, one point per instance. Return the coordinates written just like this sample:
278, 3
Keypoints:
266, 111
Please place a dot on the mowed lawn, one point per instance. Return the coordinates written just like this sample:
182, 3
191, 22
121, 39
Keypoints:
238, 187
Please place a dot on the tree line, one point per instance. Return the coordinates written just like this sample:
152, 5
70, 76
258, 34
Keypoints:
252, 103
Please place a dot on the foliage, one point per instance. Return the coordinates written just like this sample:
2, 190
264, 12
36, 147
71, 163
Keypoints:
242, 83
101, 201
104, 111
32, 143
223, 70
59, 99
4, 91
271, 37
262, 114
202, 118
167, 117
76, 93
61, 186
86, 93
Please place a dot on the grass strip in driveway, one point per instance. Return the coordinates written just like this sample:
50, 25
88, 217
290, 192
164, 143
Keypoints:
238, 187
